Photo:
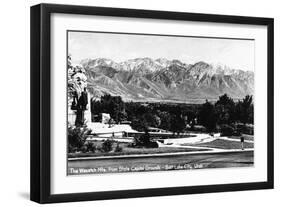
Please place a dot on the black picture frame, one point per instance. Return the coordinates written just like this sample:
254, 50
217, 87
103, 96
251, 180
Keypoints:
40, 102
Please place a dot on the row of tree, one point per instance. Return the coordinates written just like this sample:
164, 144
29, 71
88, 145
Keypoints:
175, 117
226, 111
112, 105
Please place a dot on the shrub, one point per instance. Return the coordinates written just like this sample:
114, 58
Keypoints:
145, 141
107, 145
77, 137
84, 149
248, 129
91, 147
245, 128
152, 145
227, 130
118, 148
72, 149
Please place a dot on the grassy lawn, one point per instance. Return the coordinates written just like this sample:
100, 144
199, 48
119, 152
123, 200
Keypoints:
225, 144
246, 136
127, 150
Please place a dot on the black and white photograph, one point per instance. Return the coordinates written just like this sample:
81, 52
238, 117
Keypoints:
156, 102
144, 102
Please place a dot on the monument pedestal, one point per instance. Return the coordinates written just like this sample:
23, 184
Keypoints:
87, 113
71, 117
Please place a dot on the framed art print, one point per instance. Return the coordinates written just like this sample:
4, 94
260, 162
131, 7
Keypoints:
133, 103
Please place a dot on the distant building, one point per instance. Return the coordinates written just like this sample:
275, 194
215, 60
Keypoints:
125, 122
154, 129
101, 117
105, 118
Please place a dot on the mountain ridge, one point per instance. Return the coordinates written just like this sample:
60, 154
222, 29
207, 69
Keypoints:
161, 79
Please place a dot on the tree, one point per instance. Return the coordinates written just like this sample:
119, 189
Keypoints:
177, 124
107, 145
139, 124
151, 119
112, 105
165, 118
207, 116
225, 100
225, 108
245, 110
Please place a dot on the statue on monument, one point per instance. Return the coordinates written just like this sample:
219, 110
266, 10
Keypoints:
80, 102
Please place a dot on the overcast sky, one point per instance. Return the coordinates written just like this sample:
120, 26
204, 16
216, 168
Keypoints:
238, 54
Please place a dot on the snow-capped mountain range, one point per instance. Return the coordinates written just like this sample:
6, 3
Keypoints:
146, 79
